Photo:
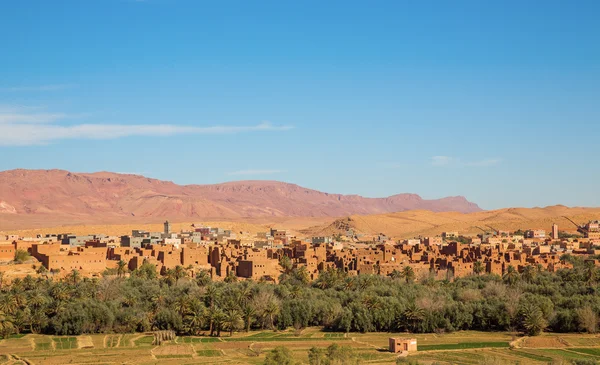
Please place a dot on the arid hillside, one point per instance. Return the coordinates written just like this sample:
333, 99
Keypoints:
426, 223
30, 198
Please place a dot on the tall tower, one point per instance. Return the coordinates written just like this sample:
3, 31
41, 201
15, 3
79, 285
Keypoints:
167, 228
555, 231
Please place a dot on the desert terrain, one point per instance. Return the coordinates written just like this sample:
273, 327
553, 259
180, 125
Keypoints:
46, 198
426, 223
398, 225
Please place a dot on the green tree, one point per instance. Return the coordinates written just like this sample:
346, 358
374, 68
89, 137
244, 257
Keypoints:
121, 268
6, 325
511, 276
408, 274
341, 355
74, 276
412, 316
396, 274
533, 320
248, 314
317, 356
232, 320
179, 273
301, 275
203, 278
590, 272
478, 267
8, 303
286, 264
21, 256
529, 273
279, 356
194, 318
231, 277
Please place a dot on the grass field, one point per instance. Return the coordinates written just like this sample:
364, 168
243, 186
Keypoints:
250, 348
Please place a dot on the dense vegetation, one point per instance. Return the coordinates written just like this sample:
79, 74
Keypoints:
191, 304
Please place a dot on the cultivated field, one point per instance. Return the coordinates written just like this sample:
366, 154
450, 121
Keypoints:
250, 348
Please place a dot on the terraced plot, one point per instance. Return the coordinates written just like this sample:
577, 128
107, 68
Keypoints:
251, 348
209, 353
65, 343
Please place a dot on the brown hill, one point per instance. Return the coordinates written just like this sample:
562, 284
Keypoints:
425, 223
51, 197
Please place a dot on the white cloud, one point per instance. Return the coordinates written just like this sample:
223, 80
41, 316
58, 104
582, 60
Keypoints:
255, 172
34, 118
484, 163
54, 87
451, 161
392, 165
441, 160
20, 127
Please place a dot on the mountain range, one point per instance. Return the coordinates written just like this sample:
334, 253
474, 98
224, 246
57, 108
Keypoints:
67, 197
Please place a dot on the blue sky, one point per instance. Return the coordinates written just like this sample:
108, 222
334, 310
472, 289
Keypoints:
496, 101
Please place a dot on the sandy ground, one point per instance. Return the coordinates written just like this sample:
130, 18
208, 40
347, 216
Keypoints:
397, 225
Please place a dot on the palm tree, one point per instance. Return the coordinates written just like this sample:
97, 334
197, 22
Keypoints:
121, 268
190, 270
231, 277
29, 282
286, 264
365, 282
412, 316
60, 293
42, 271
511, 276
528, 273
478, 267
203, 278
181, 304
395, 274
6, 325
302, 275
590, 273
37, 299
349, 283
408, 273
295, 292
179, 273
211, 298
217, 317
8, 304
232, 320
271, 311
75, 276
20, 299
194, 319
37, 321
248, 312
245, 294
533, 321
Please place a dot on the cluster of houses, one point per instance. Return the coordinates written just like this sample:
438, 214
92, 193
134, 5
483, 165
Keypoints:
223, 252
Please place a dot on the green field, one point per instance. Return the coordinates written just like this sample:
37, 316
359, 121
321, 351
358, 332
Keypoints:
467, 347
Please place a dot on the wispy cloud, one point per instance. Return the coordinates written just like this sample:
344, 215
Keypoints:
452, 161
34, 118
441, 160
484, 163
255, 172
21, 127
54, 87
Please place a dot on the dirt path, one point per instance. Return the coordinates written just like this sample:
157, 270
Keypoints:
364, 343
517, 343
